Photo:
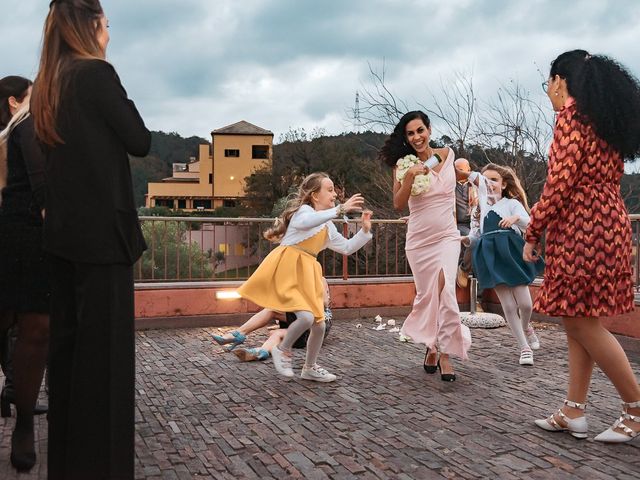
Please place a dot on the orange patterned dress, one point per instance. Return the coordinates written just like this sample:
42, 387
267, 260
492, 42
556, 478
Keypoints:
588, 232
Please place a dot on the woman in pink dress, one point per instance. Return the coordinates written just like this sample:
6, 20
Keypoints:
433, 241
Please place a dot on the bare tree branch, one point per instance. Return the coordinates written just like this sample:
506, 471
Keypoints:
455, 107
379, 105
511, 128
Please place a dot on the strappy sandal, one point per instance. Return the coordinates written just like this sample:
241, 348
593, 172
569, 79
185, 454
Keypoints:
577, 427
610, 435
236, 339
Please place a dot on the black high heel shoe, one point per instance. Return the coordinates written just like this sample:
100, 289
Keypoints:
446, 377
429, 368
22, 460
6, 399
5, 404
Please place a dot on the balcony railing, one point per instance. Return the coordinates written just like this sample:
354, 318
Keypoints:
210, 248
199, 248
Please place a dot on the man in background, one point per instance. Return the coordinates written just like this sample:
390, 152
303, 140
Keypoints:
466, 200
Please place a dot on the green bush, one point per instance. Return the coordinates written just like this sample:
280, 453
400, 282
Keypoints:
170, 256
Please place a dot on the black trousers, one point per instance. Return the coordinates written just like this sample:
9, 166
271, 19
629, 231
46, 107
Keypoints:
91, 372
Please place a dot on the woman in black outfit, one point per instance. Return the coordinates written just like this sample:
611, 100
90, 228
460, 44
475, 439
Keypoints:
83, 116
24, 286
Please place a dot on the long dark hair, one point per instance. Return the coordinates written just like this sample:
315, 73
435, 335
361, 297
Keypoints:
396, 146
11, 86
70, 34
17, 87
606, 94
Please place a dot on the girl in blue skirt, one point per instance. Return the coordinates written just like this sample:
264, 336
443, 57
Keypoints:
498, 224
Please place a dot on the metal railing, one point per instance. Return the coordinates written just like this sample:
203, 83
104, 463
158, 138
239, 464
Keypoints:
211, 248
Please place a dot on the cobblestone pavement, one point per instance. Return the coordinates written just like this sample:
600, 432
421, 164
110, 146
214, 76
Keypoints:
202, 414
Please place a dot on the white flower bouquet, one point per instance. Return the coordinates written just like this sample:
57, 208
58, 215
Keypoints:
421, 183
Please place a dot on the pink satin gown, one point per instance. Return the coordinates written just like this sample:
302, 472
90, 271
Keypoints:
433, 246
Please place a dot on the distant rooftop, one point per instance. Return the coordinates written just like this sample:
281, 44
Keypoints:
241, 128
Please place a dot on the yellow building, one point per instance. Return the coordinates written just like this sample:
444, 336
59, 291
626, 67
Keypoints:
216, 178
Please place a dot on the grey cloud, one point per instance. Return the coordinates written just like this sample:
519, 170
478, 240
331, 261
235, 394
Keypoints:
182, 60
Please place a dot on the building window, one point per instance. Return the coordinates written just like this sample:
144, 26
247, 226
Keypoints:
182, 203
200, 204
260, 151
164, 202
229, 203
230, 152
210, 178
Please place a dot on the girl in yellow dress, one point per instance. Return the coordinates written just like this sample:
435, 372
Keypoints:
289, 279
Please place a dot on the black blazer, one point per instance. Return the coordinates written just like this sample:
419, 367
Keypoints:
23, 196
90, 212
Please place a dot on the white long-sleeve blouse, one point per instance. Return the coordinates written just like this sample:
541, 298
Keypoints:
505, 207
307, 222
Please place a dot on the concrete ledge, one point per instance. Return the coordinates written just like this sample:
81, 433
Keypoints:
195, 304
237, 283
202, 301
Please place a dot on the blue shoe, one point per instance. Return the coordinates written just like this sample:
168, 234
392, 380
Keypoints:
237, 339
251, 354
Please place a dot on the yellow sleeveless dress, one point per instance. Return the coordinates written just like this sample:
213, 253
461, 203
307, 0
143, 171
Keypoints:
289, 279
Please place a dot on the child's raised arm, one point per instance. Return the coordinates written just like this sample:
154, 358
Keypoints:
307, 217
348, 246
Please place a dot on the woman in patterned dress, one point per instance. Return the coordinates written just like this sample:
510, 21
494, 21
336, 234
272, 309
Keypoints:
588, 232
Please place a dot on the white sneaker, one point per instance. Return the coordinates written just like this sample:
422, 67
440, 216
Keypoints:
532, 338
317, 374
282, 362
526, 357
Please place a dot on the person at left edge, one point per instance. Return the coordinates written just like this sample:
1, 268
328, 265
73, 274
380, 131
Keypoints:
91, 230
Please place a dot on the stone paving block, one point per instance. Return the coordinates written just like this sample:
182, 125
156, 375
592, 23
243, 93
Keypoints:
512, 462
560, 463
531, 459
201, 414
169, 475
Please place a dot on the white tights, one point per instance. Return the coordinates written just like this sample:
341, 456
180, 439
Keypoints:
304, 322
514, 299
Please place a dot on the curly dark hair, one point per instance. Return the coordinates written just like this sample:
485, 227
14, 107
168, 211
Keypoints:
395, 146
606, 94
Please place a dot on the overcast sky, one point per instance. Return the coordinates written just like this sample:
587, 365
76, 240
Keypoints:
193, 66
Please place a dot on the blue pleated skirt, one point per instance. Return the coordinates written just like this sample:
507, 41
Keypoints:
497, 257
